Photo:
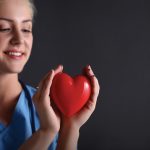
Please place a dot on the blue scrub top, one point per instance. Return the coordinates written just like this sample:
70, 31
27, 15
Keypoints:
14, 135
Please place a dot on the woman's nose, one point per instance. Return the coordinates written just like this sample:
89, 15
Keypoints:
17, 37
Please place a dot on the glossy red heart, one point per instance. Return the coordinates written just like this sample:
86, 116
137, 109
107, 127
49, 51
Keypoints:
70, 94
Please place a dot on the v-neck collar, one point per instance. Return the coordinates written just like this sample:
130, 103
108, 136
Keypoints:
3, 126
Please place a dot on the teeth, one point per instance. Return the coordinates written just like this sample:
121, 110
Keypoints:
14, 53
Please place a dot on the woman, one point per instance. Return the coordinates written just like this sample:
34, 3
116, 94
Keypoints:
28, 121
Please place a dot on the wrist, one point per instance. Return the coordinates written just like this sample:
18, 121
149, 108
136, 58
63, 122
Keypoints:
68, 129
47, 133
69, 124
68, 136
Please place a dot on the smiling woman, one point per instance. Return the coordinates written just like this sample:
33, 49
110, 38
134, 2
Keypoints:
27, 118
15, 35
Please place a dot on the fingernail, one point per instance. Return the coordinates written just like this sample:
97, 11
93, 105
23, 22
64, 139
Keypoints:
60, 65
89, 67
52, 71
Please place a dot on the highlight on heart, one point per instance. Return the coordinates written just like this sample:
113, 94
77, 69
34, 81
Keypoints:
70, 93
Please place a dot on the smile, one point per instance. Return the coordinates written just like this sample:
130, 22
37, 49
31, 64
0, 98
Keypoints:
16, 55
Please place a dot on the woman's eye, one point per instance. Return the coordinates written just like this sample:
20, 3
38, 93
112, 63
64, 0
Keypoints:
5, 30
26, 30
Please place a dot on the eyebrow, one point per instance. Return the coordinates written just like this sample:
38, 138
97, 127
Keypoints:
10, 20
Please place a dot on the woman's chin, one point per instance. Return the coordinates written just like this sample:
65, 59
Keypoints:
14, 70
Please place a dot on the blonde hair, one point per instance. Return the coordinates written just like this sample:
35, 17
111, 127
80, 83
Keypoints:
31, 4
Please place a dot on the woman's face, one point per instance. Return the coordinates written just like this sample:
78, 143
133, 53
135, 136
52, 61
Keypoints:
15, 35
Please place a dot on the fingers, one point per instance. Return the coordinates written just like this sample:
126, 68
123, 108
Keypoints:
91, 103
58, 69
49, 78
45, 83
94, 82
40, 86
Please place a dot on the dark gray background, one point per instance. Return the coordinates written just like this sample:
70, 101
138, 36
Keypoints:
112, 36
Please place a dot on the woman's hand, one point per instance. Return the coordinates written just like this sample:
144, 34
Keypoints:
84, 114
49, 118
70, 126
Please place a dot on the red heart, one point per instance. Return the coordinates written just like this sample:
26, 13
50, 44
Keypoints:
70, 94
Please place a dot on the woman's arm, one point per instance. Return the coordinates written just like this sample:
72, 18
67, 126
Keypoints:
68, 137
69, 130
49, 118
39, 140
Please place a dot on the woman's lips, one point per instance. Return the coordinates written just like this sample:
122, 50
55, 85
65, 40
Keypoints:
13, 54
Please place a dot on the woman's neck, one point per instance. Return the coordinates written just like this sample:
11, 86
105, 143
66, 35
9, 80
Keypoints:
9, 86
10, 89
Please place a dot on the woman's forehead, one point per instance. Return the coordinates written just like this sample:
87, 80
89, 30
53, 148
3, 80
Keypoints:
16, 4
15, 9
